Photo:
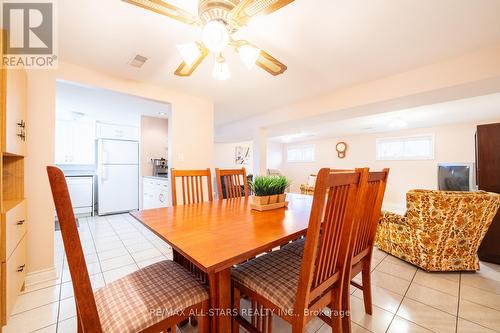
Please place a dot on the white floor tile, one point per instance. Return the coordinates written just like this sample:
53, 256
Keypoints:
434, 298
33, 320
401, 325
383, 298
67, 309
34, 299
150, 261
437, 281
400, 271
480, 296
378, 322
481, 315
67, 326
146, 254
427, 316
115, 274
116, 262
465, 326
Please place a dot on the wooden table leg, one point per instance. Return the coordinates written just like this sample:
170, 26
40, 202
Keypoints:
220, 300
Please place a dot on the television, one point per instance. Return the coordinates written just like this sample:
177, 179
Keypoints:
456, 177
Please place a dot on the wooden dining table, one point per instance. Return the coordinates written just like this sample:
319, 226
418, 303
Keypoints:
209, 238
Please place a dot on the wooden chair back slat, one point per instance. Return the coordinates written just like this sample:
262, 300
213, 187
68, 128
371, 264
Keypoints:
191, 185
334, 215
231, 183
367, 226
84, 296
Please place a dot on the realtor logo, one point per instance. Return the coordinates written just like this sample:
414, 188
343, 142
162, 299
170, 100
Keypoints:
29, 34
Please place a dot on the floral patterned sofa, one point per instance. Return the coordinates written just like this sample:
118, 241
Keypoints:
441, 231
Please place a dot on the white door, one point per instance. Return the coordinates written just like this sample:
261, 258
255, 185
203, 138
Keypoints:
118, 152
118, 188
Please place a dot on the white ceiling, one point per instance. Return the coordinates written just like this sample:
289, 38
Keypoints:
477, 109
327, 44
103, 105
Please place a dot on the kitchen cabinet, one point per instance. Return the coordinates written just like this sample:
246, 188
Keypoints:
81, 192
154, 192
15, 116
75, 142
117, 132
13, 215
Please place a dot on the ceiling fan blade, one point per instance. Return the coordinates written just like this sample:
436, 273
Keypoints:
247, 9
265, 61
185, 70
164, 8
270, 64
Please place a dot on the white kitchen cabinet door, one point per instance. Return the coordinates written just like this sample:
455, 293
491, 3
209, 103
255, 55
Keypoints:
83, 142
117, 132
75, 142
64, 142
15, 113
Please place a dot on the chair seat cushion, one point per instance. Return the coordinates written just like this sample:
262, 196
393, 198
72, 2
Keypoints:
147, 296
296, 247
275, 276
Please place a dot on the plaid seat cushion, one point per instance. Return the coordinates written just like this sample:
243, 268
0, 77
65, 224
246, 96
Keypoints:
296, 247
147, 296
274, 276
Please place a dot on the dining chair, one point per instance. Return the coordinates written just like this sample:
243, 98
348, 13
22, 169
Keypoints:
362, 251
231, 183
298, 290
153, 299
192, 187
362, 247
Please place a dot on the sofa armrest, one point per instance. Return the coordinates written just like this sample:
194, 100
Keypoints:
389, 217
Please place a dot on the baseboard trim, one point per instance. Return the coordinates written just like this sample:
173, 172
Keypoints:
40, 276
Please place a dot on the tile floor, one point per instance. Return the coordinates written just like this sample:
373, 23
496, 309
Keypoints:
405, 298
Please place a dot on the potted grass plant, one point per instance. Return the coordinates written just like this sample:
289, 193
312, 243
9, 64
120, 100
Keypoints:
281, 184
269, 189
261, 188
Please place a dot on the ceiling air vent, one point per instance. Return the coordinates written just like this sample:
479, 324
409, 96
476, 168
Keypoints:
137, 61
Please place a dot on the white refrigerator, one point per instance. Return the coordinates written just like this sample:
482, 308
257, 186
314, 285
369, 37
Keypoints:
118, 176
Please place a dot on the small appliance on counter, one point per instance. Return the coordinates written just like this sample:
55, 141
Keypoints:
160, 167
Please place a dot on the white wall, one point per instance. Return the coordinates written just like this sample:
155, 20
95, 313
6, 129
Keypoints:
453, 144
154, 142
274, 155
224, 155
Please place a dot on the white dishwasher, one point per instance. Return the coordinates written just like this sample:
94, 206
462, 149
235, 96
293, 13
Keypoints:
81, 192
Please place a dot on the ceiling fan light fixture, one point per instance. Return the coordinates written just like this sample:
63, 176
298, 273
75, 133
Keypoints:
221, 69
190, 52
215, 36
248, 55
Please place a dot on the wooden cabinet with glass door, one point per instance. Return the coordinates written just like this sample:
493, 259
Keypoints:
13, 137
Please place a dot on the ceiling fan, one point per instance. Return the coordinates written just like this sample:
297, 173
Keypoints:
219, 20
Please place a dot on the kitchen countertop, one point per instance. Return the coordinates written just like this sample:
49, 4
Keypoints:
78, 173
156, 177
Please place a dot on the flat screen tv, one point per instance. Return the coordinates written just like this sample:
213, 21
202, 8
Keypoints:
456, 177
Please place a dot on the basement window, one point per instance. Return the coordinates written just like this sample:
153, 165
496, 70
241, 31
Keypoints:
300, 153
419, 147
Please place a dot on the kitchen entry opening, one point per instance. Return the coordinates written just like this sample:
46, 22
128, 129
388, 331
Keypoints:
112, 148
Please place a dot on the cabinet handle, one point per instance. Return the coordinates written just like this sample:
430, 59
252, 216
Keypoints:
21, 268
22, 126
20, 222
